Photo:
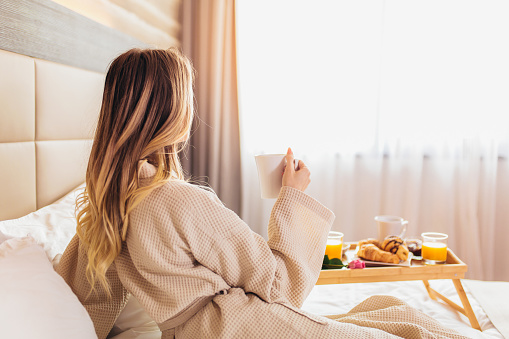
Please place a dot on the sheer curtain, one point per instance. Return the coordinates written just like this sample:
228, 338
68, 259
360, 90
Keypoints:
397, 107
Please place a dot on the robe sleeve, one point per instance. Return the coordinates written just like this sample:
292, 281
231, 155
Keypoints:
283, 269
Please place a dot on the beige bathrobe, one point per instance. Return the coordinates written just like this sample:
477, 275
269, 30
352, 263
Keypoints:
200, 272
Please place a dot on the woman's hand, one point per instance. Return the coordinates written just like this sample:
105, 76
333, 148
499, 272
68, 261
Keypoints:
296, 178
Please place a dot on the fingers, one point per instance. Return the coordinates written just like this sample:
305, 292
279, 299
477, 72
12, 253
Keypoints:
301, 165
289, 159
297, 175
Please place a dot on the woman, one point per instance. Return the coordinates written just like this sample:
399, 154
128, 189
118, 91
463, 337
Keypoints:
195, 266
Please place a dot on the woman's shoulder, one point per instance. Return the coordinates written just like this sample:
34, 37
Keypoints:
175, 192
174, 186
184, 186
185, 192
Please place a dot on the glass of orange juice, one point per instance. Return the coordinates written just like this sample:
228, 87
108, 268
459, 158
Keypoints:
434, 248
334, 247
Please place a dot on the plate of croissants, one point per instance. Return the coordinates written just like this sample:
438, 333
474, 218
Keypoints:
390, 252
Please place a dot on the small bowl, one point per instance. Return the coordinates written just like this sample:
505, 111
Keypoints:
414, 245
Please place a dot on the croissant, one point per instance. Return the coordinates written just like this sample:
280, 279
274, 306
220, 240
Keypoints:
370, 241
395, 245
373, 253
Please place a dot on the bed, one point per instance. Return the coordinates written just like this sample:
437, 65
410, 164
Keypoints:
46, 129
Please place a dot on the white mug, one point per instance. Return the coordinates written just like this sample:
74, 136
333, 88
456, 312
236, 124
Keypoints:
390, 225
270, 173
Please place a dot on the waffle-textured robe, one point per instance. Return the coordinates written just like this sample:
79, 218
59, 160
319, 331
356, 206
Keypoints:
200, 272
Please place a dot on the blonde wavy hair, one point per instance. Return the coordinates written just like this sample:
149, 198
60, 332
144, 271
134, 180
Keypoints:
146, 116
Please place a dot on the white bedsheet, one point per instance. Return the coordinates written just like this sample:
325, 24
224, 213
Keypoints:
338, 299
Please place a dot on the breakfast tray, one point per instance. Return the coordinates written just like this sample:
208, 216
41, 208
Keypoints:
453, 269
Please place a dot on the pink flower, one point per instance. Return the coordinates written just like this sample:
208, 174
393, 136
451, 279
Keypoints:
356, 264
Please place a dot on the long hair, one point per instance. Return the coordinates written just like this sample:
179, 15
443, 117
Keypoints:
146, 116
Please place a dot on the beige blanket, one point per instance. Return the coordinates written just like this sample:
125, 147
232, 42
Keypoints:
394, 316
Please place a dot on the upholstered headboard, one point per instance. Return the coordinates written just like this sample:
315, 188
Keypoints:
48, 113
52, 64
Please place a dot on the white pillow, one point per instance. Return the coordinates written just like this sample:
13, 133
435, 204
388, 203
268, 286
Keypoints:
52, 226
36, 302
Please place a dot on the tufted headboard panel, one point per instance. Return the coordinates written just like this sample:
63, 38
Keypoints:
48, 113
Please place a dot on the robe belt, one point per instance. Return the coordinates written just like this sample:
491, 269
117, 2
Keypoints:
188, 313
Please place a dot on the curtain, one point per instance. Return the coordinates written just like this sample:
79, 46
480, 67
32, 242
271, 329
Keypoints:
397, 108
214, 153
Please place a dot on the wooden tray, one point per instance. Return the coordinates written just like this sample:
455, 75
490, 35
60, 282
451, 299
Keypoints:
454, 268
